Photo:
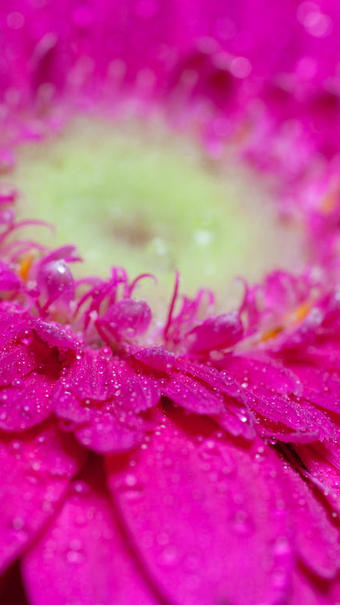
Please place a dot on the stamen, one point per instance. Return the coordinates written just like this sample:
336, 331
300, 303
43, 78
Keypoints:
25, 266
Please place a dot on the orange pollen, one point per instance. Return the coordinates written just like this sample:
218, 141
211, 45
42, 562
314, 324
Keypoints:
301, 311
297, 315
242, 132
25, 266
329, 201
269, 334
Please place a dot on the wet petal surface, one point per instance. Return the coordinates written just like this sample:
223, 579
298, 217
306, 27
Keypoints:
83, 558
35, 470
204, 514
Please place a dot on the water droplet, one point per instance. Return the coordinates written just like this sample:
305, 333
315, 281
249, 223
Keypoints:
131, 480
241, 523
203, 238
282, 546
15, 20
279, 578
169, 556
75, 555
16, 445
18, 523
240, 67
80, 487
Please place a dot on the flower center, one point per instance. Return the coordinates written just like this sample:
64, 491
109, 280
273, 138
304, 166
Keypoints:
149, 200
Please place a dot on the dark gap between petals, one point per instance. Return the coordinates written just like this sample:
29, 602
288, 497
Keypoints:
290, 455
12, 591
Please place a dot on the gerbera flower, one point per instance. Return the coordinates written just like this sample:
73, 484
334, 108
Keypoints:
155, 448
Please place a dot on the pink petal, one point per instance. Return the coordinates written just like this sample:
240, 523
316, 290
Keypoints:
236, 421
206, 516
25, 403
216, 333
324, 356
193, 396
317, 537
301, 336
310, 590
107, 434
264, 372
9, 281
68, 407
96, 378
127, 317
320, 387
34, 474
104, 429
83, 558
102, 397
156, 358
55, 335
299, 416
151, 390
67, 253
14, 323
55, 280
91, 377
274, 392
224, 382
16, 361
321, 473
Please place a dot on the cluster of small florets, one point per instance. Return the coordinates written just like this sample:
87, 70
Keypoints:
89, 352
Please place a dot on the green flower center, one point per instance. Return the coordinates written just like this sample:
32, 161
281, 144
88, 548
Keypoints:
149, 200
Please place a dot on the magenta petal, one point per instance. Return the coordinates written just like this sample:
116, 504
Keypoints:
325, 356
262, 372
131, 391
83, 558
237, 422
151, 393
127, 317
193, 396
90, 377
102, 397
317, 537
25, 403
274, 392
68, 407
96, 378
320, 387
106, 433
156, 358
100, 428
15, 362
300, 416
55, 280
216, 333
321, 473
207, 516
218, 381
310, 590
34, 474
67, 253
55, 335
9, 281
13, 324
